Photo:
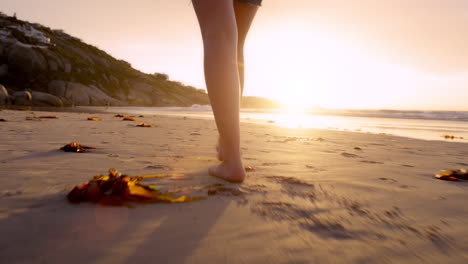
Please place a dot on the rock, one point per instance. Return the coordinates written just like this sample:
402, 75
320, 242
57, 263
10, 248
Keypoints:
68, 68
22, 98
114, 82
27, 60
3, 70
141, 94
53, 66
1, 50
80, 94
57, 88
54, 61
77, 93
45, 99
98, 97
3, 95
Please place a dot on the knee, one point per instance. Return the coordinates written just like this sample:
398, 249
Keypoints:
220, 36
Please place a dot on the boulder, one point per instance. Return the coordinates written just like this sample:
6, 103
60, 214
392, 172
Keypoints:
143, 88
3, 70
3, 95
54, 61
114, 82
68, 67
80, 94
45, 99
57, 88
77, 93
22, 98
141, 94
24, 59
53, 66
99, 97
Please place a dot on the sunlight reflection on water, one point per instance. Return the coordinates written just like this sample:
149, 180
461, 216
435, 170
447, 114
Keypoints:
413, 128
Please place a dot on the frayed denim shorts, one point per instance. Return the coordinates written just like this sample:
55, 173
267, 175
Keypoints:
251, 2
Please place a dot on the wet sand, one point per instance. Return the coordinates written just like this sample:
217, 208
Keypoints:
315, 196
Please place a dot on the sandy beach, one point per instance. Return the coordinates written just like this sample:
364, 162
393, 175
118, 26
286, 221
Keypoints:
315, 196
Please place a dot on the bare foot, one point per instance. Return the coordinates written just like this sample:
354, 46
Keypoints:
229, 171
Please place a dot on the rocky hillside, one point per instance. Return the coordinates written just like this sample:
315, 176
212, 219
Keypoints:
43, 66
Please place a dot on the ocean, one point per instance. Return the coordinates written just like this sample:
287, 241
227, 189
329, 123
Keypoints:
426, 125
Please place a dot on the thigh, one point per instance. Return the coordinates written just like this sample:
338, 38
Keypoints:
216, 17
245, 14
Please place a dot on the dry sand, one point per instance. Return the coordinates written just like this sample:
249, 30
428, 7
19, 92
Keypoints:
313, 198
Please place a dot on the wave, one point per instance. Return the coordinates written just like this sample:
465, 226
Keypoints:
425, 115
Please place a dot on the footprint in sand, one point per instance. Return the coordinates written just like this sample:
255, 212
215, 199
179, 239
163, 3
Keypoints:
350, 155
290, 180
371, 162
11, 193
158, 167
274, 163
314, 169
388, 179
403, 186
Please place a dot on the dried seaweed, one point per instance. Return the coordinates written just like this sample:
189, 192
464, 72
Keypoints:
117, 189
453, 175
48, 117
33, 118
75, 147
94, 119
129, 119
249, 168
451, 137
144, 125
3, 120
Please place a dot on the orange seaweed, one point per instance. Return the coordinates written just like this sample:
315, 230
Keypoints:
33, 118
75, 147
94, 119
117, 189
144, 125
453, 175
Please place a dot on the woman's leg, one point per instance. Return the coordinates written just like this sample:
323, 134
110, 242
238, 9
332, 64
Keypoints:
219, 31
244, 17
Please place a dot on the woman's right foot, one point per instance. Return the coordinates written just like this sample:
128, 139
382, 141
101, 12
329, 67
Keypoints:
229, 171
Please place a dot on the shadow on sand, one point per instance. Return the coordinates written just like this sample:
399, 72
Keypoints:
47, 229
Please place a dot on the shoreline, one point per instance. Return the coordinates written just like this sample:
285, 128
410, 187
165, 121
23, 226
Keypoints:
398, 132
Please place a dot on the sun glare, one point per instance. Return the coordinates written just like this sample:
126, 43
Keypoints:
303, 66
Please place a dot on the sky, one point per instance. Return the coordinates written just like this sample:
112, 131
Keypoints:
353, 54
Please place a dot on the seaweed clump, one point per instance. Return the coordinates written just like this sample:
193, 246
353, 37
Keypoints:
453, 175
117, 189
